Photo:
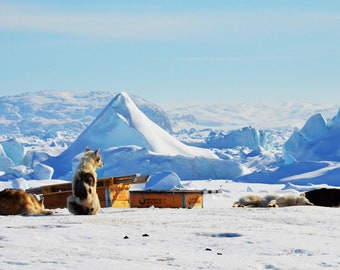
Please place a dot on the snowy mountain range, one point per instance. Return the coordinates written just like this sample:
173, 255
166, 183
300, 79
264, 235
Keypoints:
45, 113
43, 133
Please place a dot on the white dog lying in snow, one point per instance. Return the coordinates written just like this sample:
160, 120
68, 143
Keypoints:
274, 200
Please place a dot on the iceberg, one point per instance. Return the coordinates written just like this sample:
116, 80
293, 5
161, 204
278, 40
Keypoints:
127, 136
318, 140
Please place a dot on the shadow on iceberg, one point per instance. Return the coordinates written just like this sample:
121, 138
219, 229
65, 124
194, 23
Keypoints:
134, 159
300, 173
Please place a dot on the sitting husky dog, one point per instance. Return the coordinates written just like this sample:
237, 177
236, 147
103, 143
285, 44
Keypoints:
84, 200
275, 200
19, 202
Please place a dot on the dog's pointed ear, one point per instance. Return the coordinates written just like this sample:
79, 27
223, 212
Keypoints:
87, 149
96, 152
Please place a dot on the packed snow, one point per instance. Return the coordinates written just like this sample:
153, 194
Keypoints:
43, 135
216, 236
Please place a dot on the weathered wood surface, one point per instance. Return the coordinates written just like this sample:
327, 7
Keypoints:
112, 191
167, 199
101, 182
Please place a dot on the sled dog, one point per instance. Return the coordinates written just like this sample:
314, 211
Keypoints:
19, 202
328, 197
84, 199
274, 200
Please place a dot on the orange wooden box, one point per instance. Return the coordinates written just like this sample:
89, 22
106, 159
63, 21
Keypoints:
167, 199
112, 192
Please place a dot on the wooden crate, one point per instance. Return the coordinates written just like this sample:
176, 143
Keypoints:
116, 196
112, 192
56, 199
167, 199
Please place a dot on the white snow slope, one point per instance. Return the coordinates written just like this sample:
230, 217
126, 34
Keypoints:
121, 123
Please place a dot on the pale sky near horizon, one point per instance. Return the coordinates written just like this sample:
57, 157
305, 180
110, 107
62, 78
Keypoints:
174, 52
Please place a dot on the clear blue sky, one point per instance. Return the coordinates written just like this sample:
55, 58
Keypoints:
174, 52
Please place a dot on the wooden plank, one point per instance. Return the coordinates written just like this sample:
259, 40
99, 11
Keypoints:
105, 182
166, 199
133, 179
56, 199
120, 192
119, 196
113, 196
112, 191
50, 188
158, 200
193, 200
121, 204
128, 177
101, 182
176, 191
102, 197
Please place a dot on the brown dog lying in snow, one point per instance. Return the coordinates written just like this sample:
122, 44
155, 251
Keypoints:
18, 202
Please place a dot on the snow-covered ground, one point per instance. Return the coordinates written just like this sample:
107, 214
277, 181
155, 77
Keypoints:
214, 237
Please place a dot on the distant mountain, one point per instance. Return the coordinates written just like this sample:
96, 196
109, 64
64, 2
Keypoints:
265, 115
45, 113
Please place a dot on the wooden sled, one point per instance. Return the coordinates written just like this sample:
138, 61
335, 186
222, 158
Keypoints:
167, 198
112, 191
